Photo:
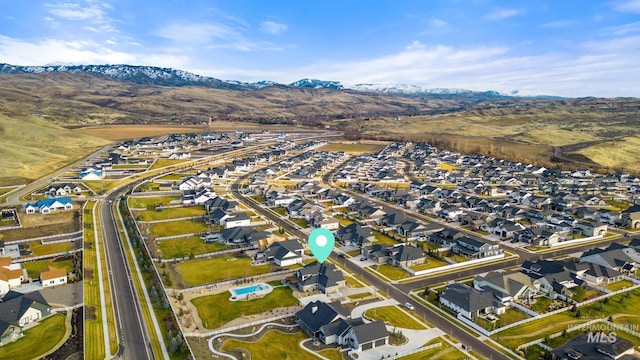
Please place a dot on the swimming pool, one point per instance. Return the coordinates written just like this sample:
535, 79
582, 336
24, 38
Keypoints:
246, 292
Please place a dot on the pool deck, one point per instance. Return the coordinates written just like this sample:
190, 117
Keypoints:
263, 289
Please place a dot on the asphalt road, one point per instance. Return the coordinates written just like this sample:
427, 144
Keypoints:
134, 339
399, 295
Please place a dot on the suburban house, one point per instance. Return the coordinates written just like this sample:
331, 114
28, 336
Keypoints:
475, 249
53, 276
556, 277
355, 235
618, 257
235, 220
46, 206
197, 196
11, 275
601, 275
509, 286
285, 253
631, 217
398, 255
590, 229
239, 235
65, 189
330, 323
220, 203
584, 346
91, 174
324, 277
469, 302
18, 310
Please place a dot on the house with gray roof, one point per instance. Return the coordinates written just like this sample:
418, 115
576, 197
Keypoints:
285, 253
18, 310
591, 346
475, 249
324, 277
366, 336
355, 235
509, 286
469, 302
616, 256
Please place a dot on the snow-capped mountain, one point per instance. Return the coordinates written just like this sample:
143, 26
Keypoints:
144, 75
317, 84
151, 75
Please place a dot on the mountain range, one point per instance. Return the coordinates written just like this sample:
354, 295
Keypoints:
160, 76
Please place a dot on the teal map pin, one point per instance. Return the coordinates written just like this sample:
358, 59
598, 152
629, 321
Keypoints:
321, 243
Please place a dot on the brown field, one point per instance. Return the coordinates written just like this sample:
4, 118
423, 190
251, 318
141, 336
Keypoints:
32, 147
354, 147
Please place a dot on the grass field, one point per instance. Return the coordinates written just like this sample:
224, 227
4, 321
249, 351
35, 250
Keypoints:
353, 148
143, 203
34, 268
160, 163
445, 351
384, 239
273, 345
430, 264
619, 285
37, 340
217, 310
524, 333
204, 271
392, 272
331, 354
37, 249
184, 247
180, 227
171, 213
509, 317
394, 316
32, 147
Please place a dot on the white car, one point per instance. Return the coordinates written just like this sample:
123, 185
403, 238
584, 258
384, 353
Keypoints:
409, 306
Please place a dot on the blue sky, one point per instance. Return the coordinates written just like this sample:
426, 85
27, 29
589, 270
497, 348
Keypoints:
568, 47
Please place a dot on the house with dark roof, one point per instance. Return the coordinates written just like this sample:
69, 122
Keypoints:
469, 302
616, 256
556, 277
317, 314
601, 275
220, 203
355, 235
631, 217
240, 235
475, 249
18, 310
366, 336
413, 230
285, 253
326, 278
594, 346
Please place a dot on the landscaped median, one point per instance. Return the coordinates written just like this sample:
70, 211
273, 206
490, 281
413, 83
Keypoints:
38, 340
96, 342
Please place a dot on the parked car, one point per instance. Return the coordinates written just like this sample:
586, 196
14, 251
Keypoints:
364, 258
409, 306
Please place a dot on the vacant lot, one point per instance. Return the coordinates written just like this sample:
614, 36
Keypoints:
180, 227
354, 147
217, 310
211, 270
170, 213
273, 345
184, 247
146, 202
56, 217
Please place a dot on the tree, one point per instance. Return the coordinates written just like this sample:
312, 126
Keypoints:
180, 297
578, 313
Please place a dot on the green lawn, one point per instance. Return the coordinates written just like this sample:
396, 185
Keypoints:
37, 249
395, 317
184, 247
171, 213
145, 202
204, 271
331, 354
536, 329
509, 317
617, 305
352, 282
273, 345
430, 264
181, 227
384, 239
217, 310
37, 340
392, 272
34, 268
619, 285
302, 223
541, 305
435, 353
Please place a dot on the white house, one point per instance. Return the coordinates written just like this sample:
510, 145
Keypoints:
53, 276
240, 219
46, 206
285, 253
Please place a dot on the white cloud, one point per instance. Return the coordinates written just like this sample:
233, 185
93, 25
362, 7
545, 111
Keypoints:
272, 27
632, 6
621, 30
53, 51
88, 11
212, 36
438, 23
500, 14
415, 45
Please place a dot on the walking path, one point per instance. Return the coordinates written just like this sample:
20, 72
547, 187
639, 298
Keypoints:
213, 350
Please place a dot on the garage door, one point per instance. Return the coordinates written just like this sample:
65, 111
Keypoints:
367, 346
380, 342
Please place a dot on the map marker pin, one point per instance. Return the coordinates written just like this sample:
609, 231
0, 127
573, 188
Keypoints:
321, 243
